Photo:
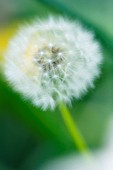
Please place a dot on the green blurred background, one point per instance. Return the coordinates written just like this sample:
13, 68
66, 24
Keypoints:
29, 136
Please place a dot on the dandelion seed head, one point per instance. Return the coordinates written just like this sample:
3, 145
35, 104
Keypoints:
52, 60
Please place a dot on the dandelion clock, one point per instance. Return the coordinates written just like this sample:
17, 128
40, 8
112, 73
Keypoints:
51, 62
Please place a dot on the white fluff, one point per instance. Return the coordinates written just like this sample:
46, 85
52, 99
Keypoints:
52, 60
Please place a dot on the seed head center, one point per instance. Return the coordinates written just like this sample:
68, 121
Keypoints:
48, 57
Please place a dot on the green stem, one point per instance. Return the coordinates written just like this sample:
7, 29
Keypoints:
72, 127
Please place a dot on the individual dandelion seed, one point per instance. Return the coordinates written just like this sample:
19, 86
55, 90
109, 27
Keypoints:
52, 60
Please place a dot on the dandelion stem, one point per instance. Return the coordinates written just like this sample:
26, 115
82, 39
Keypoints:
72, 127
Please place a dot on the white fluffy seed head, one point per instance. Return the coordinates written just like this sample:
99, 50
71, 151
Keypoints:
52, 60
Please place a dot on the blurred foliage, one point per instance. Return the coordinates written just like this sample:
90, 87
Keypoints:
30, 136
5, 34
